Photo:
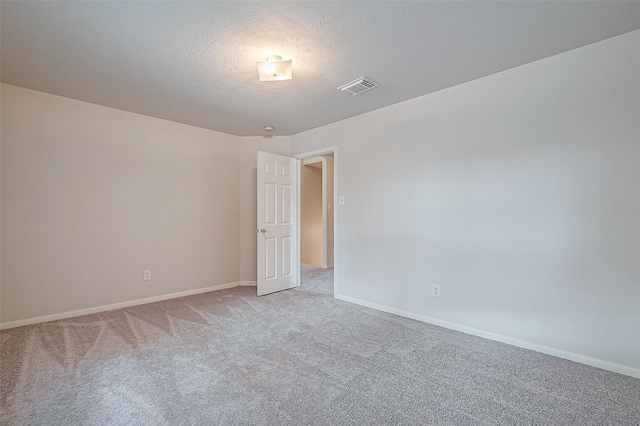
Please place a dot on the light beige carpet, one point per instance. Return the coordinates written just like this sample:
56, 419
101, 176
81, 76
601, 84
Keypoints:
297, 357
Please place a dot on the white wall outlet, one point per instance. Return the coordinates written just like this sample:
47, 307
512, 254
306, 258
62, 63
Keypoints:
341, 200
435, 290
147, 274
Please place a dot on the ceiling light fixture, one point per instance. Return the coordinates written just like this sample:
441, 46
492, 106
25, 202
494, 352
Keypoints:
269, 128
275, 69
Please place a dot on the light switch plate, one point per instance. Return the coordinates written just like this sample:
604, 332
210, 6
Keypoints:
341, 200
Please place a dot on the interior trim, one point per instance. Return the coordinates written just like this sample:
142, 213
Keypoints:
594, 362
113, 306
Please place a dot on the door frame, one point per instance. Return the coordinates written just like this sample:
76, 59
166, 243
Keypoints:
323, 151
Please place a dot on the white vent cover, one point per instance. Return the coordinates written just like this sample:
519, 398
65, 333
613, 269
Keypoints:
358, 86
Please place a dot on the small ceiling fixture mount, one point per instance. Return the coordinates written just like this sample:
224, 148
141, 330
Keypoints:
269, 128
275, 69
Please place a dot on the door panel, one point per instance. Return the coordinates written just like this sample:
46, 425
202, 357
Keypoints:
286, 256
286, 205
277, 207
270, 245
270, 198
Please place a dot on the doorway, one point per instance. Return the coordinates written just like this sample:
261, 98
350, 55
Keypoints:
316, 173
279, 224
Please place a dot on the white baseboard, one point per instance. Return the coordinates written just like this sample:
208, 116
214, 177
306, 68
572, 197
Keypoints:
111, 307
594, 362
248, 283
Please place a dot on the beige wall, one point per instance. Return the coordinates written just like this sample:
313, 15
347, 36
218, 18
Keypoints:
92, 196
311, 229
517, 193
248, 187
317, 206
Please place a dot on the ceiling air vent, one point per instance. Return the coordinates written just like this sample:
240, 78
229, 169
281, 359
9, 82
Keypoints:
358, 86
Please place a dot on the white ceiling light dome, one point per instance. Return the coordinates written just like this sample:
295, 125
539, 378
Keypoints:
274, 69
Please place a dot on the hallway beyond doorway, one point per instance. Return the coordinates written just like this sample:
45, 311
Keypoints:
317, 280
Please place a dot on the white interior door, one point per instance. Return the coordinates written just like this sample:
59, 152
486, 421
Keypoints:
277, 214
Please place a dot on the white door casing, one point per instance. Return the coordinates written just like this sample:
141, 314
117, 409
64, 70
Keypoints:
276, 226
336, 258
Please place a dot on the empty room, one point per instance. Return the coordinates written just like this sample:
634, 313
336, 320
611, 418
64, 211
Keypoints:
320, 213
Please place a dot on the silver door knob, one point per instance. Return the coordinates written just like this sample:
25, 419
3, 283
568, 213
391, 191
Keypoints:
262, 231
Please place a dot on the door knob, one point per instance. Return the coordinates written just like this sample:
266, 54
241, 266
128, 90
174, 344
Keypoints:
263, 230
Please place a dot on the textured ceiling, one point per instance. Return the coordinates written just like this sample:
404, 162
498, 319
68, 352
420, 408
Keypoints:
194, 62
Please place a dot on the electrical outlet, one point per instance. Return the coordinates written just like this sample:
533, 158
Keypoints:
147, 274
435, 290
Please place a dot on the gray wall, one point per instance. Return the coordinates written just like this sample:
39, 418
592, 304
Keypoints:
518, 193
